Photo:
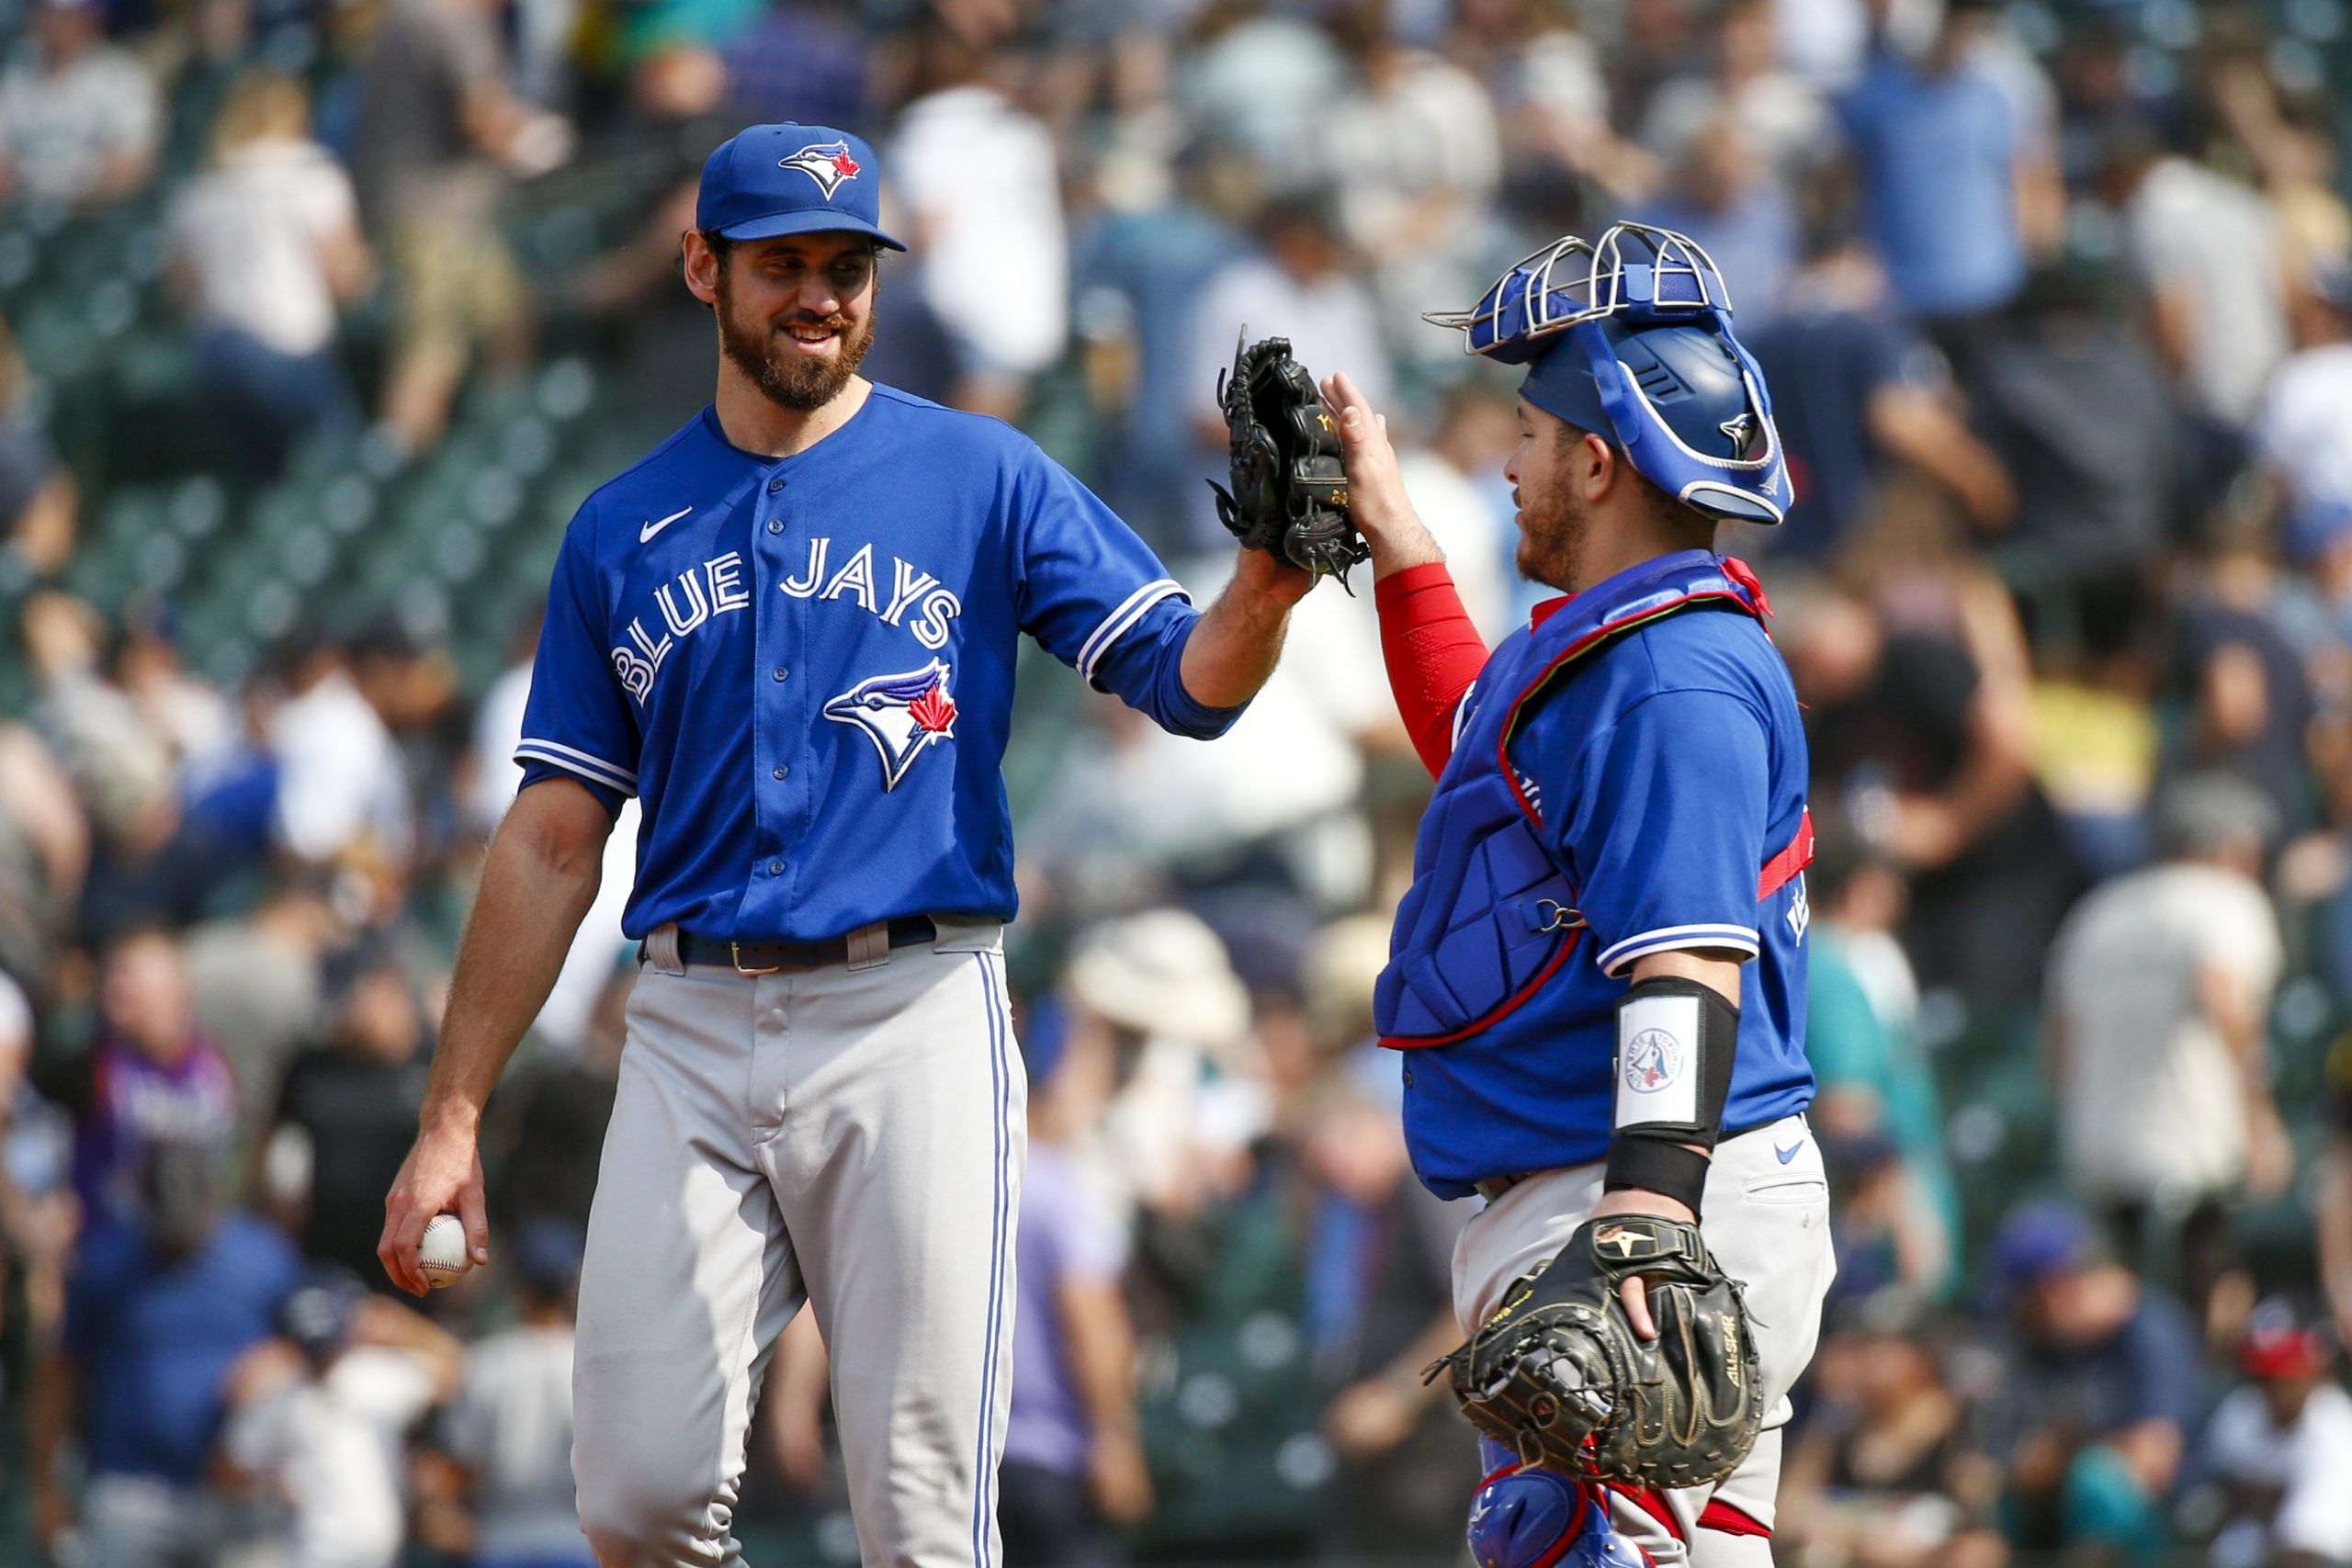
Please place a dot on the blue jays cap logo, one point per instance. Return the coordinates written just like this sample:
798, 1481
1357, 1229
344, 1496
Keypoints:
901, 713
827, 163
1653, 1060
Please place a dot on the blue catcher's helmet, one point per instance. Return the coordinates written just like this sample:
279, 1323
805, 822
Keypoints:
1632, 339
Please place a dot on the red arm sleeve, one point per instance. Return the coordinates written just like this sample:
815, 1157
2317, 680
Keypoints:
1434, 653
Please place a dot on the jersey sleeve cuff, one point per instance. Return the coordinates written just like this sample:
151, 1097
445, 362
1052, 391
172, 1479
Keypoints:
1123, 620
1742, 940
571, 759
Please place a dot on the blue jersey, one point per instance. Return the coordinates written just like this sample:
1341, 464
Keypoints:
803, 666
1666, 770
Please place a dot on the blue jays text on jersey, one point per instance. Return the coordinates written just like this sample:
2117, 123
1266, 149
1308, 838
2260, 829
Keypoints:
1628, 777
803, 666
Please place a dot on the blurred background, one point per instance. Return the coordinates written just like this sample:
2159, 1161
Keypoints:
320, 320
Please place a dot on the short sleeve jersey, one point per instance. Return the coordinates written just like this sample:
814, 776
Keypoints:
803, 666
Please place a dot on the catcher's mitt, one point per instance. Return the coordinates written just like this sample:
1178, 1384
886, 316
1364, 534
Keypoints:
1290, 494
1558, 1375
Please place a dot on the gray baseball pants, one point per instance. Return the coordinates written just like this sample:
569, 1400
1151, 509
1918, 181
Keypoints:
851, 1138
1766, 1221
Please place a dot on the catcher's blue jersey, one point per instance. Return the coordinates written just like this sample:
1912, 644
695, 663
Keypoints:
1669, 772
803, 666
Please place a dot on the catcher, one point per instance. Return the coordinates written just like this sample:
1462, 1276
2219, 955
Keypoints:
1597, 982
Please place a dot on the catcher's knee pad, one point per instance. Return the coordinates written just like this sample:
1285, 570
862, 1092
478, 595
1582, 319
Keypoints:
1524, 1516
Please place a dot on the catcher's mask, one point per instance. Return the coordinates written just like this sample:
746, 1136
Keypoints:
1632, 338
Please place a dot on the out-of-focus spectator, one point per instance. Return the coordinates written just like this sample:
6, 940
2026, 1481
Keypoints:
1161, 1015
803, 60
346, 1114
1139, 273
79, 118
320, 1415
1877, 1092
2160, 985
1890, 1471
2249, 693
2101, 1396
1921, 726
1073, 1454
259, 984
2280, 1446
978, 177
1414, 163
2303, 430
39, 496
265, 244
150, 1076
1774, 113
37, 1214
1377, 1271
1856, 395
1262, 76
2074, 405
437, 133
158, 1312
340, 783
1946, 187
2205, 249
508, 1428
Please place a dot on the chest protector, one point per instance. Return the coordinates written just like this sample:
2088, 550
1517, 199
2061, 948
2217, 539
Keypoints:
1492, 915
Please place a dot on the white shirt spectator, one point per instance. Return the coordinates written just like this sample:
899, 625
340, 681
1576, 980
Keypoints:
512, 1424
250, 231
339, 774
2306, 1463
61, 127
333, 1448
978, 176
2150, 1099
2210, 244
1428, 134
2304, 430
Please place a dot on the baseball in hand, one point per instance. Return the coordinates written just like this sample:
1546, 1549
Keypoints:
443, 1255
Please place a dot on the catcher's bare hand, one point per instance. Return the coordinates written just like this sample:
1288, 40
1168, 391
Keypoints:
441, 1175
1636, 1291
1377, 500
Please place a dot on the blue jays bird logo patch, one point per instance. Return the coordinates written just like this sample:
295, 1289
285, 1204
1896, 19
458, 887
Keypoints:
901, 713
827, 163
1653, 1061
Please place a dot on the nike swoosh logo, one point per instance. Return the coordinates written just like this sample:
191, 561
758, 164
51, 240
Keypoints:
1790, 1153
652, 528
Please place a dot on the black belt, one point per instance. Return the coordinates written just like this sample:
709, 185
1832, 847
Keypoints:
769, 957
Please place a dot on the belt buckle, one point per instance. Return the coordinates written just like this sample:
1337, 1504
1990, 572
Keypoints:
735, 956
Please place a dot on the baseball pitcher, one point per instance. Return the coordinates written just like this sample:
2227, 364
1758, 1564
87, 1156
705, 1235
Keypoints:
1597, 982
789, 631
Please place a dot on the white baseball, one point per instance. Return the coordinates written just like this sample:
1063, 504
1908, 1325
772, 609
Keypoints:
442, 1255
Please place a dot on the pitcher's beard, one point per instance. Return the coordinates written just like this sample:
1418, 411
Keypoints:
783, 377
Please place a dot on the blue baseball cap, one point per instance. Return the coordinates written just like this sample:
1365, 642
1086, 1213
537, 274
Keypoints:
769, 180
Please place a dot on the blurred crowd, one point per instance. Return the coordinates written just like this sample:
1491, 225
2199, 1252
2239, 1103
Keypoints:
2055, 303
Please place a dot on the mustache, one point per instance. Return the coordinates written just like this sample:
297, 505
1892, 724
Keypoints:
837, 322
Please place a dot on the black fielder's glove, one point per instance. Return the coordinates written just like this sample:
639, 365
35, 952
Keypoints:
1290, 494
1558, 1375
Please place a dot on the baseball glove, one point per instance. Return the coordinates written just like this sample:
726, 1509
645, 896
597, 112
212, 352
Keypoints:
1290, 494
1558, 1375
